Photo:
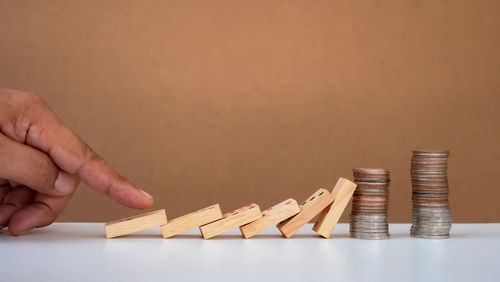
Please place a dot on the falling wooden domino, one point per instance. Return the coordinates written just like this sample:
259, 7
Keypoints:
342, 194
191, 220
270, 217
308, 209
231, 220
135, 223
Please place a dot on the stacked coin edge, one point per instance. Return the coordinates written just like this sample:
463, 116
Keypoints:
431, 213
369, 218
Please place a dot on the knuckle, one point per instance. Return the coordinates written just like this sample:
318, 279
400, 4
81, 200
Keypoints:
21, 119
49, 213
89, 152
29, 97
46, 167
22, 122
23, 109
89, 155
24, 104
45, 208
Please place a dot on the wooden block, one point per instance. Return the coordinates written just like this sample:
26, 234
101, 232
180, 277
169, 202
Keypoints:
342, 194
308, 209
270, 217
135, 223
231, 220
191, 220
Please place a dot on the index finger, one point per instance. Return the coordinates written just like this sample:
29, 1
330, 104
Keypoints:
43, 130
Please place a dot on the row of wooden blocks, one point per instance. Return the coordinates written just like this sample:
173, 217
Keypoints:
288, 216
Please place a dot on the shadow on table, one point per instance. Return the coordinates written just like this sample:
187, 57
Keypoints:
48, 235
142, 236
462, 235
186, 236
269, 236
72, 234
340, 236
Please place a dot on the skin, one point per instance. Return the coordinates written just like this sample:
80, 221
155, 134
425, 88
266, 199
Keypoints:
42, 162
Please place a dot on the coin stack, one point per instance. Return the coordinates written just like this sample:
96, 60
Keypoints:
431, 214
370, 203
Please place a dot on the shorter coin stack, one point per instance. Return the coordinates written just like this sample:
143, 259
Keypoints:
370, 204
431, 214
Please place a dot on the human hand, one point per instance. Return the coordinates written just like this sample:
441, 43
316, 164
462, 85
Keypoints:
41, 163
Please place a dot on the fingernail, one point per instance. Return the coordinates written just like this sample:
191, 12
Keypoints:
146, 194
65, 183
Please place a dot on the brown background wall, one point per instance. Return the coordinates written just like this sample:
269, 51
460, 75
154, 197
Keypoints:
256, 101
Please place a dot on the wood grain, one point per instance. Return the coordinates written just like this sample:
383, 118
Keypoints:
308, 210
191, 220
135, 223
342, 194
231, 220
270, 217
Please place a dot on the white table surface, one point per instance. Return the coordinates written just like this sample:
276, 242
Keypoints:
80, 252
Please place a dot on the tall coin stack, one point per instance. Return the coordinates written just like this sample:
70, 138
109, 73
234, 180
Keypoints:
370, 203
431, 214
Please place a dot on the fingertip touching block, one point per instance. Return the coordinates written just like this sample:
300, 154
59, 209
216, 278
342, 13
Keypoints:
308, 210
230, 220
135, 223
342, 193
270, 217
191, 220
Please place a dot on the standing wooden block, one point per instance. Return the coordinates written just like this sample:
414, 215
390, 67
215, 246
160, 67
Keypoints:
231, 220
135, 223
342, 193
191, 220
270, 217
308, 209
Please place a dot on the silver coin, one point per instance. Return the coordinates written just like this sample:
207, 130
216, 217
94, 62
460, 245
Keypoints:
369, 218
421, 225
369, 237
442, 221
369, 227
428, 229
432, 231
429, 216
432, 220
431, 212
430, 236
377, 231
369, 221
